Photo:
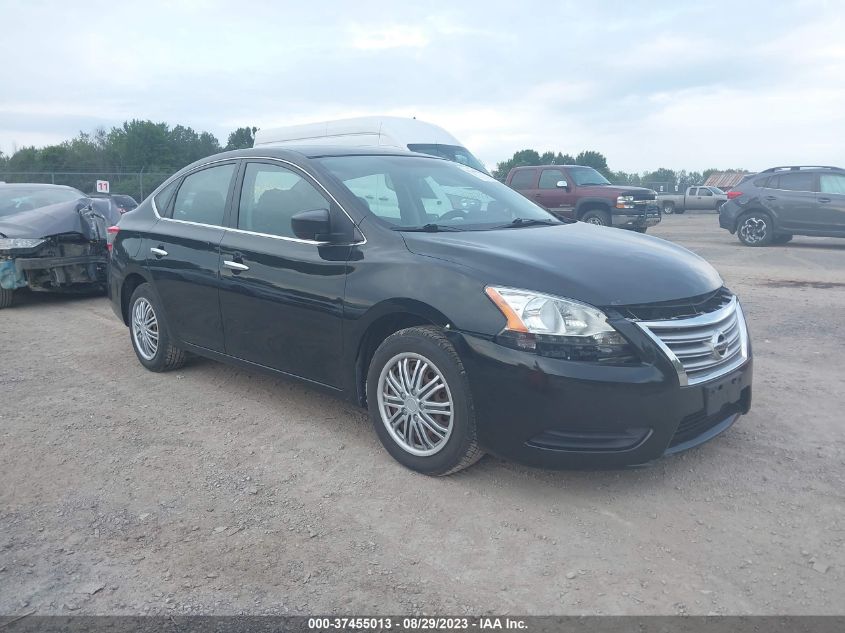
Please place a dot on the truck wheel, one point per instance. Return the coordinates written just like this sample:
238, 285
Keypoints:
668, 208
755, 229
6, 297
597, 217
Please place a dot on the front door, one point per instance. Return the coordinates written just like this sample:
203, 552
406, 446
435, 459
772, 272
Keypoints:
281, 297
558, 200
183, 255
830, 211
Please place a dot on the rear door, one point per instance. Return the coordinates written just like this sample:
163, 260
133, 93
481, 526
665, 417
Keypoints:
282, 297
183, 254
525, 182
830, 212
791, 197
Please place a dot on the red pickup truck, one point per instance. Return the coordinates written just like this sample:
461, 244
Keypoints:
582, 193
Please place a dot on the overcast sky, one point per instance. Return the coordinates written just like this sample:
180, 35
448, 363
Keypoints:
676, 84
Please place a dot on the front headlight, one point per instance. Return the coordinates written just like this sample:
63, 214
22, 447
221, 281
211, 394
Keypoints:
16, 243
625, 202
558, 327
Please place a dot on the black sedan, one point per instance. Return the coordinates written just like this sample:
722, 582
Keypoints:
463, 316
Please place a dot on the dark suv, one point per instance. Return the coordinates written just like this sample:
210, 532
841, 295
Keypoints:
582, 193
453, 308
774, 205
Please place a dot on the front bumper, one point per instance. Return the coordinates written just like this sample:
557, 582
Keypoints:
561, 414
623, 218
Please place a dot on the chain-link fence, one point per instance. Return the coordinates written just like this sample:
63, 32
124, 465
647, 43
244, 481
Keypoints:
136, 184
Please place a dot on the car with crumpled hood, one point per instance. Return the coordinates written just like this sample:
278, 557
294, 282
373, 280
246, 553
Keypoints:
52, 238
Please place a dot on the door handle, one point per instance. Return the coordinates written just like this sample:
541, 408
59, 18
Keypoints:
235, 266
537, 195
159, 252
824, 199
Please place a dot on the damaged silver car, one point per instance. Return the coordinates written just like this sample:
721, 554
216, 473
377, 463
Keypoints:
52, 238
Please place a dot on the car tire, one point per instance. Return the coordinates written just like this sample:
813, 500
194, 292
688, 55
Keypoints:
598, 217
668, 208
149, 334
6, 297
755, 229
679, 211
420, 402
783, 238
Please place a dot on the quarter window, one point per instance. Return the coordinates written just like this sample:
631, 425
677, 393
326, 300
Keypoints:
202, 196
162, 198
271, 195
523, 179
832, 183
550, 177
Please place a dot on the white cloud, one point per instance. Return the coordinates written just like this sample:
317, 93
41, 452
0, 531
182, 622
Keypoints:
367, 38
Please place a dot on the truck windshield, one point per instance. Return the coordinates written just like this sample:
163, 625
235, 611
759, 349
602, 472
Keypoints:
455, 153
586, 176
407, 192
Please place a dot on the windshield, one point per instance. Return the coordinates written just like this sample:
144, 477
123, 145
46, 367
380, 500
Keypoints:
18, 199
587, 176
409, 192
455, 153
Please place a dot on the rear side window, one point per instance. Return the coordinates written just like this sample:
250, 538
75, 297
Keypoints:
832, 183
550, 177
760, 182
793, 182
271, 195
523, 179
202, 196
693, 191
162, 198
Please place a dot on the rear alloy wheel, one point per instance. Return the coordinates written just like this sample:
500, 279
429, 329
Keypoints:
148, 333
668, 208
598, 217
420, 404
6, 297
755, 229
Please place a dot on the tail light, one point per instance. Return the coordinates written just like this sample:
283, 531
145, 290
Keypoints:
734, 194
111, 234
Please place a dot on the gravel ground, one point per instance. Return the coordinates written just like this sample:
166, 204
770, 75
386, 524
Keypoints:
216, 490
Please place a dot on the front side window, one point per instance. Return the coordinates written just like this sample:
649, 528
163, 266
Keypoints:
832, 183
271, 195
202, 196
704, 191
425, 191
523, 179
550, 177
794, 182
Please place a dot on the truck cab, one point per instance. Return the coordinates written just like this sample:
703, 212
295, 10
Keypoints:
581, 193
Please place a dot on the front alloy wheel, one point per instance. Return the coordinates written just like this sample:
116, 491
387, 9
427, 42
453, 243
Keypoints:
415, 404
755, 230
420, 402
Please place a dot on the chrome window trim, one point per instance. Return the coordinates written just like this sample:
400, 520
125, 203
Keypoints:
701, 320
277, 237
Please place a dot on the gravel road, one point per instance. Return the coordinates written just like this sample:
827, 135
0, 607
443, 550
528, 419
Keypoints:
217, 490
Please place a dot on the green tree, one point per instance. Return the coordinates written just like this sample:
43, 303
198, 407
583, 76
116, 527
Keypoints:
242, 138
522, 158
596, 160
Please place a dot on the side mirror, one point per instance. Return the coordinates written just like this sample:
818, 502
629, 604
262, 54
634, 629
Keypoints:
562, 184
312, 225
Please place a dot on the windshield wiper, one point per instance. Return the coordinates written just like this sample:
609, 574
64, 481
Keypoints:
528, 222
427, 228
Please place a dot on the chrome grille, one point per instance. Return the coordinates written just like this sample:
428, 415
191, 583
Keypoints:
703, 347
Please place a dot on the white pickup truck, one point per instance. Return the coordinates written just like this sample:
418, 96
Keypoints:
698, 197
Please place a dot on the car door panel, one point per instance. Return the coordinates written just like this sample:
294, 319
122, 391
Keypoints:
281, 298
792, 200
183, 256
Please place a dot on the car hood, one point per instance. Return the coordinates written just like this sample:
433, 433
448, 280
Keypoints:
82, 216
597, 265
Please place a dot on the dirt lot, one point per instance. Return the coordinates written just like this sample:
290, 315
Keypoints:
215, 490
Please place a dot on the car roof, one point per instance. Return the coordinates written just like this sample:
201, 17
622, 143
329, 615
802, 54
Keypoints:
521, 167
